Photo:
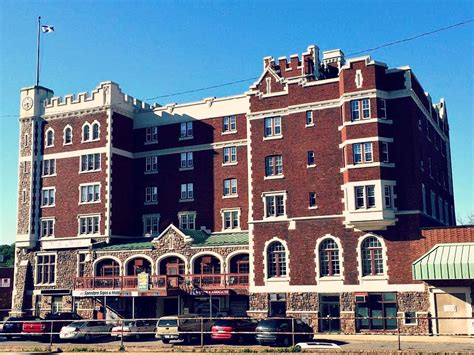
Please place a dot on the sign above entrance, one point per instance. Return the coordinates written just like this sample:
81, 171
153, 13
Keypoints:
95, 293
196, 292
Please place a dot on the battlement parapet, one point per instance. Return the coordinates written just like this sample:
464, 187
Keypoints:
307, 65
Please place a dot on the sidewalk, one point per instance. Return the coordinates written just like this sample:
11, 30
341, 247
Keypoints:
452, 339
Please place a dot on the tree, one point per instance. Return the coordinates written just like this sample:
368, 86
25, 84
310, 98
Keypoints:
8, 254
468, 219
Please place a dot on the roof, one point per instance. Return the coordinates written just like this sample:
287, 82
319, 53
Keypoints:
448, 261
200, 239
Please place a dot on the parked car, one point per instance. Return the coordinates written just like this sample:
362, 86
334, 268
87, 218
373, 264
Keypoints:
134, 329
85, 330
12, 326
317, 345
278, 331
186, 327
42, 328
240, 331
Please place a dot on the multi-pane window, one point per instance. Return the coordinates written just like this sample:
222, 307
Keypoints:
89, 225
48, 196
187, 191
81, 264
230, 155
186, 130
423, 197
382, 106
90, 162
90, 193
230, 187
362, 152
151, 194
274, 165
67, 135
151, 225
49, 167
231, 219
229, 124
86, 132
49, 137
274, 206
384, 153
95, 131
433, 204
372, 257
187, 161
309, 118
272, 126
312, 199
311, 158
360, 109
388, 196
276, 260
151, 164
329, 258
364, 196
151, 134
440, 208
47, 227
45, 269
187, 220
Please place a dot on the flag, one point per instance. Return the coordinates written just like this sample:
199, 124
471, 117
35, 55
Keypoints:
47, 28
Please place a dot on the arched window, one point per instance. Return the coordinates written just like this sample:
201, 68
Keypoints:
49, 137
372, 257
68, 135
329, 258
107, 267
208, 264
138, 265
276, 259
95, 131
85, 132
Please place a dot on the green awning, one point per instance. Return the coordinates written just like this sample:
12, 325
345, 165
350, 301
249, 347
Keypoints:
449, 261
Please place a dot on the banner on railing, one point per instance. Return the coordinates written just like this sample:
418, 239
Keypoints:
142, 280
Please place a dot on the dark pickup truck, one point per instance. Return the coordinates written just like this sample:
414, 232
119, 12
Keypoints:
52, 323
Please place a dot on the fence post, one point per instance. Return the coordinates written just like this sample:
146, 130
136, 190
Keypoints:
121, 333
399, 340
51, 334
202, 332
292, 332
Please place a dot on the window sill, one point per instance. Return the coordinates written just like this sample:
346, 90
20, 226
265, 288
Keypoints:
152, 172
231, 230
48, 206
185, 138
229, 132
269, 138
311, 166
330, 278
91, 140
150, 203
67, 143
150, 142
230, 164
309, 125
230, 196
49, 146
278, 279
283, 218
312, 207
46, 176
88, 203
374, 278
89, 171
187, 168
274, 177
49, 284
186, 200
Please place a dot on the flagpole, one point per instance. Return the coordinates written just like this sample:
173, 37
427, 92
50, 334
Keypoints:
38, 51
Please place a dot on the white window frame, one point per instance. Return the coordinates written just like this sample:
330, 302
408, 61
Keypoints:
46, 144
93, 125
151, 135
50, 203
64, 135
276, 170
151, 164
365, 197
47, 220
183, 219
388, 196
88, 217
384, 153
230, 126
188, 190
87, 158
79, 262
229, 155
152, 218
93, 192
186, 161
231, 190
309, 119
230, 212
328, 278
85, 139
151, 195
312, 196
310, 152
384, 275
187, 132
272, 134
365, 149
285, 278
274, 194
36, 281
359, 109
46, 167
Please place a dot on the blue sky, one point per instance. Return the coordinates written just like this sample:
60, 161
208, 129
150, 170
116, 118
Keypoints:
154, 48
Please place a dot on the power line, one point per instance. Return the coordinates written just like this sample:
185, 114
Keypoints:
253, 78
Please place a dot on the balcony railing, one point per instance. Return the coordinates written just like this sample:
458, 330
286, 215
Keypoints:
164, 282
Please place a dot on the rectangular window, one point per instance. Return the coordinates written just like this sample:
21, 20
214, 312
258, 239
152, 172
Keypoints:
90, 162
382, 106
151, 194
186, 130
45, 269
312, 200
360, 105
384, 154
364, 196
89, 225
446, 213
151, 225
230, 187
48, 196
355, 112
231, 219
274, 206
388, 196
367, 152
187, 220
90, 193
359, 197
311, 158
440, 209
272, 126
309, 118
378, 311
274, 165
433, 204
423, 197
47, 227
365, 108
187, 161
410, 318
357, 152
151, 135
187, 191
81, 264
370, 190
229, 124
151, 164
230, 155
49, 167
362, 153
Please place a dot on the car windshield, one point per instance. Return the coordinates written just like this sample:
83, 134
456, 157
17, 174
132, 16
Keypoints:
77, 324
167, 323
271, 323
224, 323
129, 324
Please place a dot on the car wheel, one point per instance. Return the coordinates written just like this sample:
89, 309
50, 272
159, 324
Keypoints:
297, 348
165, 341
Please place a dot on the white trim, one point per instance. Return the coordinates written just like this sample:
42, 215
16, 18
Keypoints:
50, 129
284, 280
96, 261
231, 209
321, 279
64, 134
41, 253
90, 184
41, 196
167, 255
88, 215
366, 140
367, 165
230, 256
363, 280
74, 153
204, 253
136, 256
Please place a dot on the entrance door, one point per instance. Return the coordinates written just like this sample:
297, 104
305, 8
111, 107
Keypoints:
329, 312
451, 305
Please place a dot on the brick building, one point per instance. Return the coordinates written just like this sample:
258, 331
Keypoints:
304, 196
